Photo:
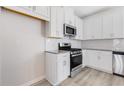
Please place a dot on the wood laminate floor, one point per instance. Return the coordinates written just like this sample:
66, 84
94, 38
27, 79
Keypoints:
89, 77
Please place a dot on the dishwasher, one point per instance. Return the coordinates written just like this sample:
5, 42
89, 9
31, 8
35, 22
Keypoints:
118, 63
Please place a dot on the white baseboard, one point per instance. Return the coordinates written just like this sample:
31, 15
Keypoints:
33, 81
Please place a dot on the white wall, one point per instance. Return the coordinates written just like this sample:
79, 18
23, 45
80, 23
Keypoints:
22, 45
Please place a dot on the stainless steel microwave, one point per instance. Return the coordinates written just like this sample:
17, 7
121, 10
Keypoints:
69, 30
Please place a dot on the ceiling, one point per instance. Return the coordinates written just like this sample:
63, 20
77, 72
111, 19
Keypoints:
83, 11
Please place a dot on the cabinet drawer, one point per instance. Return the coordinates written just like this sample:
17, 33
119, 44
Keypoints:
106, 61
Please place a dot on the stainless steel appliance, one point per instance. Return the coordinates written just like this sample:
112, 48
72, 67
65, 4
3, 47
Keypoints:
69, 30
75, 58
118, 63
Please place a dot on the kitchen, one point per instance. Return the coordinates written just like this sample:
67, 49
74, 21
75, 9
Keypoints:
48, 41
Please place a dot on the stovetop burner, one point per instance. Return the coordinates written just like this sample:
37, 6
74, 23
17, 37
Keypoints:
67, 47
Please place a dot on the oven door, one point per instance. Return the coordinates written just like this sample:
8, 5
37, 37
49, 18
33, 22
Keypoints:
76, 60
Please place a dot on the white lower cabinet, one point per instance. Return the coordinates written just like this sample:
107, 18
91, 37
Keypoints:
57, 67
100, 60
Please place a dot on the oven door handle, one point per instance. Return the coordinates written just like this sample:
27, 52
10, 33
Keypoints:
76, 55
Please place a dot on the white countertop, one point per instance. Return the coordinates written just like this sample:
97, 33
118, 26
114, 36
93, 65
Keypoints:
56, 51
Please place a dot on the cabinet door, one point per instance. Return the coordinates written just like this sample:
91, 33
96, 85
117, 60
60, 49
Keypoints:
90, 58
59, 21
56, 22
118, 23
43, 10
106, 61
107, 25
66, 65
86, 58
96, 26
60, 70
87, 33
69, 16
93, 56
51, 68
63, 66
79, 28
92, 27
100, 60
53, 22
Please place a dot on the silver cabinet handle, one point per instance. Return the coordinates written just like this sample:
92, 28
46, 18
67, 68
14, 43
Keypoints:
64, 63
70, 22
99, 57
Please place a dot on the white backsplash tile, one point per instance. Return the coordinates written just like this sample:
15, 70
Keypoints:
52, 43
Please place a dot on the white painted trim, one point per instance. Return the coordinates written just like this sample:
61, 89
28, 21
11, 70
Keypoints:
33, 81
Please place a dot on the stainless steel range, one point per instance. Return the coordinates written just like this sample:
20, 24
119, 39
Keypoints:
75, 58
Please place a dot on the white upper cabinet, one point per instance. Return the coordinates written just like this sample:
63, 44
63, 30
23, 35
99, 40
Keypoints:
79, 28
96, 26
69, 16
107, 25
60, 21
40, 12
87, 33
43, 10
113, 23
118, 23
55, 26
92, 27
